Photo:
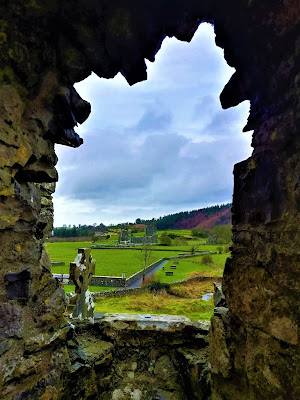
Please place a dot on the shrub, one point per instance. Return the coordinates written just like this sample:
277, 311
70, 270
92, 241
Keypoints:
201, 233
165, 240
156, 286
179, 241
226, 249
220, 249
207, 259
148, 279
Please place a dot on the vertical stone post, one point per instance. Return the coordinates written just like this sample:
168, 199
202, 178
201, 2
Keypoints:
81, 271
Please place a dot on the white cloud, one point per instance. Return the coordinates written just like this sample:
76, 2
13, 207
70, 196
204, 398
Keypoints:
161, 146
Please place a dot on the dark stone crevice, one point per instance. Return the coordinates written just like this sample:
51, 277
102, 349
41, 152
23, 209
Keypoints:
45, 48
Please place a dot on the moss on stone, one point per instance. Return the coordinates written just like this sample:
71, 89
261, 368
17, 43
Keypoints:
120, 24
2, 38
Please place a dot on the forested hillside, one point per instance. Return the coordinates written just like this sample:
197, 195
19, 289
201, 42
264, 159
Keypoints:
202, 218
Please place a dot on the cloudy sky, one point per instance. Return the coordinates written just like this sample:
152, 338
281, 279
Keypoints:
158, 147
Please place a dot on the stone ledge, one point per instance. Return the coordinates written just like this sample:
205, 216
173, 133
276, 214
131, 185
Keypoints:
151, 322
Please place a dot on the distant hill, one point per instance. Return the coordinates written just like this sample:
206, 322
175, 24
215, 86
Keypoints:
203, 218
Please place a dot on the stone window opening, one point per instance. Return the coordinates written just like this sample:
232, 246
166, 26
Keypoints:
205, 95
45, 47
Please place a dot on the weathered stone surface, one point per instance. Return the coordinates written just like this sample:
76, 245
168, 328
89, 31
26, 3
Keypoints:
219, 298
90, 364
153, 367
81, 304
45, 47
17, 285
10, 321
195, 372
41, 341
219, 354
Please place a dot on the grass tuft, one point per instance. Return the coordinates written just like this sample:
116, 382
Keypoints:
159, 303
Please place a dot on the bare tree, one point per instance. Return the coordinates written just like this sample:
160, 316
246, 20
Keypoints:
146, 258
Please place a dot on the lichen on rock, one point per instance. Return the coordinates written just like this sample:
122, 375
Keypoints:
45, 47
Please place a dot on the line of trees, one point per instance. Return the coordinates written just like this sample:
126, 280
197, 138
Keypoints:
78, 231
161, 223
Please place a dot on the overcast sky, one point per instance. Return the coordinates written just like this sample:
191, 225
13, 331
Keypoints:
161, 146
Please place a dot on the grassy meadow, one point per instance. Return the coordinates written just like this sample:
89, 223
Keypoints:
161, 303
179, 232
109, 262
115, 262
71, 288
182, 299
187, 268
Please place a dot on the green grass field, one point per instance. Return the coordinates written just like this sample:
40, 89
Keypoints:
179, 232
71, 288
109, 262
110, 241
115, 261
186, 233
181, 299
186, 267
139, 234
64, 251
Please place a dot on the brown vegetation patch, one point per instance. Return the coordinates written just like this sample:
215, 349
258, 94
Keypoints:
194, 289
218, 273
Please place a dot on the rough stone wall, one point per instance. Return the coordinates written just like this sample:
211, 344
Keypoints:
123, 357
255, 350
45, 47
107, 281
31, 302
